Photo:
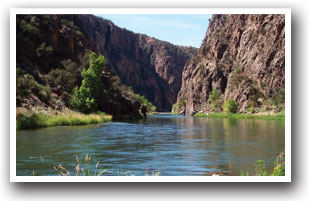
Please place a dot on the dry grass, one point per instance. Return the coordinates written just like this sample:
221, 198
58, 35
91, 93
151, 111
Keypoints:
85, 170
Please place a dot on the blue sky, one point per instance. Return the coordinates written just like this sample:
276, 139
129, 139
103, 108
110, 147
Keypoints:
187, 30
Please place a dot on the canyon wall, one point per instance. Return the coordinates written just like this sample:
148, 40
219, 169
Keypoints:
151, 67
243, 58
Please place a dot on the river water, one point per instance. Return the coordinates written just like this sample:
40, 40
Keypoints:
165, 143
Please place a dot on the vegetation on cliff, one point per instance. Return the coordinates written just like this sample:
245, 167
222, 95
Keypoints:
150, 107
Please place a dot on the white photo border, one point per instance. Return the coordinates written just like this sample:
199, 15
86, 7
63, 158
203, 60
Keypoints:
285, 11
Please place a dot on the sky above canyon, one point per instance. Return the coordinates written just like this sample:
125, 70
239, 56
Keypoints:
186, 30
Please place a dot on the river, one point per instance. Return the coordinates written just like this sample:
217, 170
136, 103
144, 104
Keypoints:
169, 144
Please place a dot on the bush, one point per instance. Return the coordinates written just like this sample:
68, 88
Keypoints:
85, 98
178, 106
26, 84
214, 95
44, 50
63, 80
28, 28
279, 99
150, 107
230, 106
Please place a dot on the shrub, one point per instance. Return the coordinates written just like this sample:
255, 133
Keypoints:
26, 84
44, 50
214, 95
63, 80
260, 169
85, 98
178, 106
150, 107
28, 28
216, 100
230, 106
236, 68
279, 99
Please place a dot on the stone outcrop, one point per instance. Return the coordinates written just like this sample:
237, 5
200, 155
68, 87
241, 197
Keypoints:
241, 56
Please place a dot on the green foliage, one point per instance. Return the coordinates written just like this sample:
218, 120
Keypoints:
68, 27
116, 83
28, 28
279, 116
85, 98
34, 121
63, 119
216, 100
279, 99
214, 95
254, 95
260, 169
236, 68
150, 107
230, 106
250, 106
44, 50
176, 108
26, 84
63, 80
278, 169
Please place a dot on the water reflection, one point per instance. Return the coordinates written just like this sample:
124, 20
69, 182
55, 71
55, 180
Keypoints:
173, 145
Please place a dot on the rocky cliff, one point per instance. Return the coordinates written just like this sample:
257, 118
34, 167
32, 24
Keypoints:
49, 45
243, 58
153, 68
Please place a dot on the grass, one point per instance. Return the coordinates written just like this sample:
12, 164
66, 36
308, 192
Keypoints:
83, 168
278, 116
30, 120
260, 169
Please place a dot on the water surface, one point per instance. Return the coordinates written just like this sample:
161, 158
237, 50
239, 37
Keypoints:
170, 144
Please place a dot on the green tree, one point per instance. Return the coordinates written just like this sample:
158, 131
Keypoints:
230, 106
85, 98
214, 95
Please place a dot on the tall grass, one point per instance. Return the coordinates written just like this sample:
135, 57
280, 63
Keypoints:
69, 118
260, 168
278, 116
84, 169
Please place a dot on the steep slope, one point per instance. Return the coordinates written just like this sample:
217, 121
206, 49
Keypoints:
243, 57
153, 68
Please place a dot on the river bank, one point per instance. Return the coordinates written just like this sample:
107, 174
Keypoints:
271, 116
31, 119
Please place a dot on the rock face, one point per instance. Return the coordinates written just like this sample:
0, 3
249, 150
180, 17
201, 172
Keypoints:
151, 67
243, 57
